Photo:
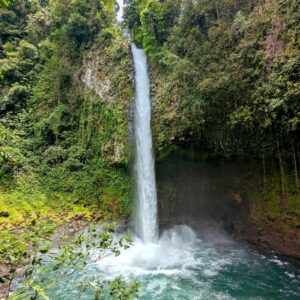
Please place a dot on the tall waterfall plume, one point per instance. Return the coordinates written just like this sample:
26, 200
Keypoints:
146, 209
146, 214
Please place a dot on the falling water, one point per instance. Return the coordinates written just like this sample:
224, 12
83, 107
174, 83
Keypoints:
146, 216
120, 10
146, 213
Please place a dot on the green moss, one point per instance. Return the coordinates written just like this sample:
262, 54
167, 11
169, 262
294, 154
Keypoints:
23, 207
272, 207
268, 203
294, 204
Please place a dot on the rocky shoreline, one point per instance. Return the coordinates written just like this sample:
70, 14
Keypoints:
270, 235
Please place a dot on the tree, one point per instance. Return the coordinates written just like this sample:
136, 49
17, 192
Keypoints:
4, 2
45, 266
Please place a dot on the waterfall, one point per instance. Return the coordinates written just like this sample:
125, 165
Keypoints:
146, 214
146, 209
120, 10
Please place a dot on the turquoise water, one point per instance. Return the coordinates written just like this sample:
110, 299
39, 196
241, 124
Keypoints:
183, 266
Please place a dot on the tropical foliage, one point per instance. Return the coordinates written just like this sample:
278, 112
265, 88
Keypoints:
225, 80
63, 133
225, 72
53, 119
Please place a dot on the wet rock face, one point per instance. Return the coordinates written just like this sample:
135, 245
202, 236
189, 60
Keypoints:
105, 80
198, 191
210, 196
236, 198
276, 235
91, 80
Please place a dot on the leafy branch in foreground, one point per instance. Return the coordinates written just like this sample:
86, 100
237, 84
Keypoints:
46, 267
5, 2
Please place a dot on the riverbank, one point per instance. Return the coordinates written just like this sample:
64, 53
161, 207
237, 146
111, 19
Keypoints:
280, 233
27, 220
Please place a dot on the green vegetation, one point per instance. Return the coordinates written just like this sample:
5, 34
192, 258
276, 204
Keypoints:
65, 96
225, 77
64, 101
225, 83
225, 73
4, 2
47, 266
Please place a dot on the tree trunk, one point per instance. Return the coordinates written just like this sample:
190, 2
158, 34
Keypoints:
217, 9
295, 169
264, 175
298, 153
282, 175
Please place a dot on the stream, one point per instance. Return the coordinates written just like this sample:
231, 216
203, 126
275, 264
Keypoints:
182, 265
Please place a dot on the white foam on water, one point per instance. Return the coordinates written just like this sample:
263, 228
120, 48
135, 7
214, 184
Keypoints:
172, 254
277, 261
291, 275
167, 266
178, 256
